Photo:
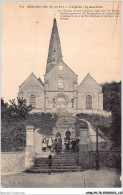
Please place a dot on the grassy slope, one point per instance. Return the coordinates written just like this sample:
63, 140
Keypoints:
105, 123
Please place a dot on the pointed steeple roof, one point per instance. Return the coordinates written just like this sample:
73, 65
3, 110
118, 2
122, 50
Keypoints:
54, 54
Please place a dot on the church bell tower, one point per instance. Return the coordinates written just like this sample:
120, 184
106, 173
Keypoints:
54, 53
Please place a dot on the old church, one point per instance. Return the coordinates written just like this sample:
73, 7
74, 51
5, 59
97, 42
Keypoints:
60, 90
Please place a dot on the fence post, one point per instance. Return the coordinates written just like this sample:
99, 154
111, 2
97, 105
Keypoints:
30, 150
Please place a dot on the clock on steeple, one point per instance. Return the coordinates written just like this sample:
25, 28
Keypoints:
60, 67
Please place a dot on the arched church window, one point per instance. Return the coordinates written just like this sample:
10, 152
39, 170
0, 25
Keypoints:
61, 82
32, 100
88, 101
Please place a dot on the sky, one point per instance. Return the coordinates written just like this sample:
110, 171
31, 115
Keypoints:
89, 45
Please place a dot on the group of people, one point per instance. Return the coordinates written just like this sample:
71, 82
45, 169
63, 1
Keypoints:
47, 144
58, 144
54, 145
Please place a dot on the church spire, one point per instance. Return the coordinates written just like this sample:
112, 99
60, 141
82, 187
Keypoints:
54, 54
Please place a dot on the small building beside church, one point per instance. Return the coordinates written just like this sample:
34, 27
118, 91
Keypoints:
60, 90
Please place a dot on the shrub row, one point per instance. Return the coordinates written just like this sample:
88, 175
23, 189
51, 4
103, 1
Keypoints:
13, 134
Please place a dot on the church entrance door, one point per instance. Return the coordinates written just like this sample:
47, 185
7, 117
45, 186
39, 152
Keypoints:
61, 104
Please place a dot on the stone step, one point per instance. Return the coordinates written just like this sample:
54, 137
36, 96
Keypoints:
53, 170
60, 155
59, 164
66, 120
66, 156
58, 159
63, 120
63, 127
56, 167
63, 160
70, 154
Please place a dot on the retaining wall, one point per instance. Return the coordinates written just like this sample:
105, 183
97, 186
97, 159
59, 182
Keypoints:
12, 162
109, 158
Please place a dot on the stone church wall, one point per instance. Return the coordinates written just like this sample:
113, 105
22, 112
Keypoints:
55, 95
90, 87
52, 88
33, 87
69, 78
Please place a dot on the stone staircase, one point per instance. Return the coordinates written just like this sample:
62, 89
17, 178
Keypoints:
65, 122
62, 162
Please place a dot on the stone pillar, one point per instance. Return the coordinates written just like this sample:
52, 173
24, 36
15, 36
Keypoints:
83, 147
83, 139
30, 150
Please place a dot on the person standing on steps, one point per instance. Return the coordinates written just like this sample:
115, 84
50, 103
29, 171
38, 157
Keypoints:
59, 144
73, 144
67, 143
49, 164
50, 142
68, 134
55, 144
44, 145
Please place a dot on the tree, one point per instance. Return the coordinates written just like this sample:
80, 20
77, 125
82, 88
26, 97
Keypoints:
4, 108
112, 102
15, 110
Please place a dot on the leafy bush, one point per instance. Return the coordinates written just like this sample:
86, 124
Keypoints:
13, 133
112, 102
14, 110
13, 124
44, 121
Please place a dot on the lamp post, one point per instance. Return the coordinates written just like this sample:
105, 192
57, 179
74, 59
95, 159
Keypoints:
97, 123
